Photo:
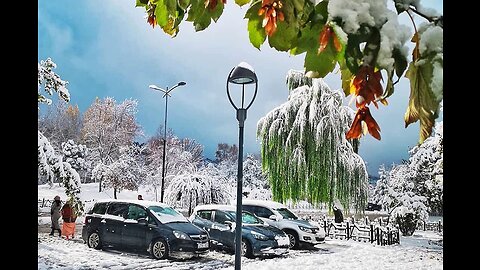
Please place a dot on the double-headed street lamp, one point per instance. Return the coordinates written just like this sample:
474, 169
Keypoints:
242, 74
166, 94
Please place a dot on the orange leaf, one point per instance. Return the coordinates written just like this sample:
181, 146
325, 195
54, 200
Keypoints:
363, 115
324, 38
336, 43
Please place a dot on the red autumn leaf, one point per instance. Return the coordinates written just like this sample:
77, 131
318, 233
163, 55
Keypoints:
363, 115
367, 85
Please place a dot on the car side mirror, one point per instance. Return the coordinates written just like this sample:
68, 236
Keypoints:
142, 221
273, 217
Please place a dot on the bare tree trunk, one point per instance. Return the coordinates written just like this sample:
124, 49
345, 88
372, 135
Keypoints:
115, 193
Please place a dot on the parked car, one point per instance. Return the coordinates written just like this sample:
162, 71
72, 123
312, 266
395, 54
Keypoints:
142, 225
258, 238
276, 214
373, 207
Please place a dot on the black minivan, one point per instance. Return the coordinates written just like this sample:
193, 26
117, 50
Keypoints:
142, 225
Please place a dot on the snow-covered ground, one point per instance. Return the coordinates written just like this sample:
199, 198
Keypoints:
58, 253
423, 250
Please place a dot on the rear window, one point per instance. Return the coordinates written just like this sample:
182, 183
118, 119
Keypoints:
99, 208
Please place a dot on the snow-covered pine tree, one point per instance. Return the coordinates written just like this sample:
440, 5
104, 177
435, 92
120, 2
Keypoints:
49, 163
304, 150
426, 163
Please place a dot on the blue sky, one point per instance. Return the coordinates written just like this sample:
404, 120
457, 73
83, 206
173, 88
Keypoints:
106, 48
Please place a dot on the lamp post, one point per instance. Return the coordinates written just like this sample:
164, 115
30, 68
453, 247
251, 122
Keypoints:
166, 94
242, 74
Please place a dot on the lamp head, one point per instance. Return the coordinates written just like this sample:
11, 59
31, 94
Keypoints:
243, 73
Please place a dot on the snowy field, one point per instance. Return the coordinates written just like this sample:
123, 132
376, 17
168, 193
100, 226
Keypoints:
414, 253
419, 251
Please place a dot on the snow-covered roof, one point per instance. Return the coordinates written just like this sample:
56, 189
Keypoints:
215, 207
269, 204
145, 203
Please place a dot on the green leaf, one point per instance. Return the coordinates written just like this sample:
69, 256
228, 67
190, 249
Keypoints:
346, 76
183, 4
256, 33
320, 14
298, 4
370, 52
242, 2
283, 38
400, 62
161, 13
422, 105
321, 64
217, 12
141, 3
171, 6
389, 88
307, 40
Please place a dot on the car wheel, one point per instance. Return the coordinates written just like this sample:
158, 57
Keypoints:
246, 249
94, 241
293, 239
159, 249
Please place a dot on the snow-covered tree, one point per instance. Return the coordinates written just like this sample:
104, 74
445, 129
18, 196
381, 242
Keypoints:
49, 163
107, 126
397, 193
51, 82
203, 186
226, 152
255, 182
183, 156
61, 123
426, 163
124, 173
304, 150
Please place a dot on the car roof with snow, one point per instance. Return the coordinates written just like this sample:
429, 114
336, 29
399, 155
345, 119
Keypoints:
269, 204
145, 203
224, 207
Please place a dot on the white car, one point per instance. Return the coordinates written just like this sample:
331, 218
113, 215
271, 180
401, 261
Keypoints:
277, 215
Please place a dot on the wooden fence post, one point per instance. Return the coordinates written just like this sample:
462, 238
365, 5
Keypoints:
377, 235
348, 231
389, 240
439, 226
371, 233
424, 225
43, 202
325, 225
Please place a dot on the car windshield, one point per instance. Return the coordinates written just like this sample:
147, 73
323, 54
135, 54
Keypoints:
167, 214
286, 214
247, 218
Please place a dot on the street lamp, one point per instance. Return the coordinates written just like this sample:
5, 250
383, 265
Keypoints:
166, 94
242, 74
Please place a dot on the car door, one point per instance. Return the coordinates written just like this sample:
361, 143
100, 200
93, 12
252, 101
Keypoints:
134, 233
113, 223
221, 230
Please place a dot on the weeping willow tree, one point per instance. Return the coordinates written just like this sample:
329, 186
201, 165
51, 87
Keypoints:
304, 149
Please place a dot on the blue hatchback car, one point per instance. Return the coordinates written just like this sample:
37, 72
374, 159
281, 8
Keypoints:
258, 238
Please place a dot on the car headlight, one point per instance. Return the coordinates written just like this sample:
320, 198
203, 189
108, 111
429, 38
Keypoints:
259, 236
181, 235
305, 229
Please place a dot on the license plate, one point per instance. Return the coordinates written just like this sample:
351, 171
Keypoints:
202, 245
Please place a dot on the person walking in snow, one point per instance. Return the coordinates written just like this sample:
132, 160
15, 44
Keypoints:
69, 217
55, 215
